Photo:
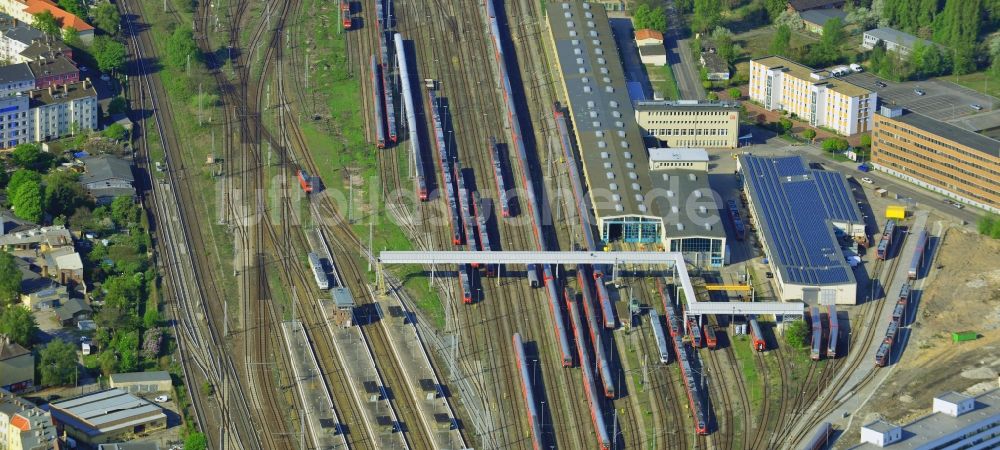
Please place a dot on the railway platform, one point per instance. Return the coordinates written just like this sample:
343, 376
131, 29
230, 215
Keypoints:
435, 411
366, 385
321, 418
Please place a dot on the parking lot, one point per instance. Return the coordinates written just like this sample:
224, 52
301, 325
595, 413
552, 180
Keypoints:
942, 100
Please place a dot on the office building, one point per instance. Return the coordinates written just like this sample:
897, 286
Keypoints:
941, 157
824, 101
690, 123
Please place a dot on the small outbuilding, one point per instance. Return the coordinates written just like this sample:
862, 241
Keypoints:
73, 311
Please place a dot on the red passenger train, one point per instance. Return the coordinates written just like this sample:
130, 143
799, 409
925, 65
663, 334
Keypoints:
305, 181
756, 337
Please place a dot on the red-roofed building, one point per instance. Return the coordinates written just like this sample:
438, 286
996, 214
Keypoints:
24, 10
646, 36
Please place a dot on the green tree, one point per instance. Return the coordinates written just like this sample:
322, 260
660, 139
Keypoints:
17, 323
124, 211
151, 318
735, 93
781, 41
63, 193
866, 140
775, 8
10, 278
989, 225
27, 201
47, 23
835, 145
809, 133
180, 47
707, 14
57, 363
117, 105
724, 44
74, 7
123, 292
115, 132
652, 18
31, 156
20, 177
126, 345
785, 124
71, 36
797, 334
106, 17
109, 53
827, 50
108, 361
195, 441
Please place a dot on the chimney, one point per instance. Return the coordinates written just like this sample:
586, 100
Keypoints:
66, 88
50, 90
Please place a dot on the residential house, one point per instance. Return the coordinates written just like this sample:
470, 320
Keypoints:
38, 292
24, 426
10, 223
17, 366
25, 10
894, 40
651, 49
39, 238
54, 69
63, 110
15, 37
73, 311
44, 48
806, 5
64, 265
815, 19
107, 177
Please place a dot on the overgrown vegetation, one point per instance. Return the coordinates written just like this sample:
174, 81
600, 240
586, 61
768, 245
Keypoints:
797, 334
989, 225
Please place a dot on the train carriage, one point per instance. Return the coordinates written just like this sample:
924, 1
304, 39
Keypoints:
916, 262
377, 101
533, 276
885, 244
817, 334
409, 100
589, 382
694, 330
463, 277
831, 350
711, 341
660, 335
499, 178
590, 311
305, 181
557, 317
527, 390
756, 337
322, 281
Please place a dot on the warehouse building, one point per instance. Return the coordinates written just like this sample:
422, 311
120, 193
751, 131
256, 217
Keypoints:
814, 95
692, 225
958, 163
956, 421
142, 382
608, 138
800, 214
107, 416
690, 123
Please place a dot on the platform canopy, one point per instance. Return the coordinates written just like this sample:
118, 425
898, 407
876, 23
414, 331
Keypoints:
528, 257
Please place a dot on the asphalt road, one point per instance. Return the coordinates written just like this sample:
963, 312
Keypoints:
679, 57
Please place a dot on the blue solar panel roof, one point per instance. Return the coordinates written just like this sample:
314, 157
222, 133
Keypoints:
796, 207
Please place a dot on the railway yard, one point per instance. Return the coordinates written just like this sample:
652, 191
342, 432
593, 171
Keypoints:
282, 303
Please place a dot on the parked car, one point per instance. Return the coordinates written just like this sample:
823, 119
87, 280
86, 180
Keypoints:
976, 107
857, 68
957, 205
105, 77
867, 180
919, 91
161, 399
880, 84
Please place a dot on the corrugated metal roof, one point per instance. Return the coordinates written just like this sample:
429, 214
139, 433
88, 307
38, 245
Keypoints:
795, 206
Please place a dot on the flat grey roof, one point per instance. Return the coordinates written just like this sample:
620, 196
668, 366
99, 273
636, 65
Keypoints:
677, 154
686, 105
895, 36
935, 429
795, 206
822, 16
609, 139
105, 411
683, 193
952, 133
15, 72
652, 50
881, 426
140, 377
953, 397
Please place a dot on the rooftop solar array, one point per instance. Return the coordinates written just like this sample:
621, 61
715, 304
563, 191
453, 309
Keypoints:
610, 143
795, 207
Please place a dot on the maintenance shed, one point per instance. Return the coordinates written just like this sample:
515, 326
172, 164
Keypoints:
800, 215
107, 416
142, 382
609, 140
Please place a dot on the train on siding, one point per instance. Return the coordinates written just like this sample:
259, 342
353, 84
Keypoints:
322, 281
817, 334
409, 100
756, 337
694, 330
551, 285
711, 340
596, 336
885, 242
589, 384
660, 335
484, 232
305, 181
834, 322
466, 282
377, 99
734, 215
446, 167
499, 178
917, 261
528, 392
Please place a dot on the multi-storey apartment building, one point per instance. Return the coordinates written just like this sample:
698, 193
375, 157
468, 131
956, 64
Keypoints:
814, 95
24, 10
62, 111
938, 156
690, 123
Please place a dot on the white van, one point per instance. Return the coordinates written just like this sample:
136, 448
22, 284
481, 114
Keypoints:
857, 68
840, 71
